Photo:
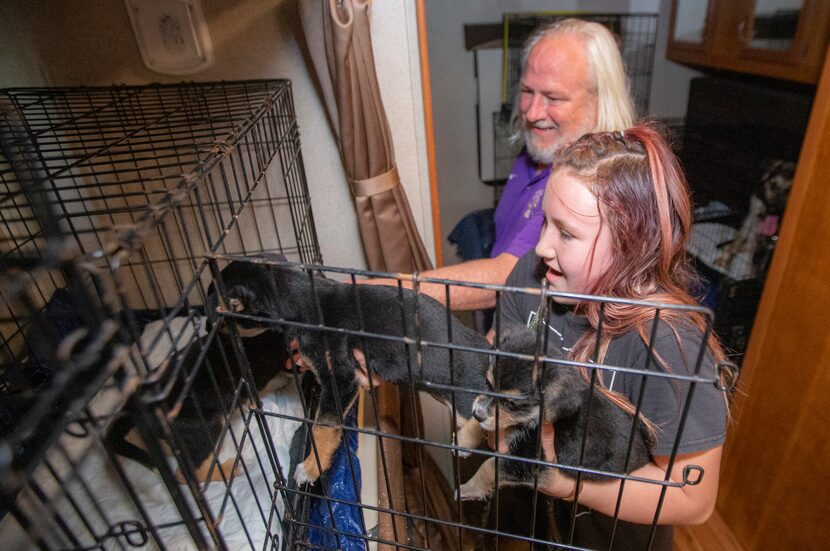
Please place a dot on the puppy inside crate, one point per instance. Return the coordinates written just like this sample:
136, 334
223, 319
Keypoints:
263, 292
518, 387
204, 375
259, 294
755, 239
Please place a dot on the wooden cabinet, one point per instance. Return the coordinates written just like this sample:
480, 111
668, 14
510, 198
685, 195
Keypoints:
784, 39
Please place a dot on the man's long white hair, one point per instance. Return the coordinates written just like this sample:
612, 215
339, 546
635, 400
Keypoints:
615, 110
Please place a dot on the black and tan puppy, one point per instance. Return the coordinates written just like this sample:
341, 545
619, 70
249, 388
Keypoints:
204, 378
566, 393
282, 292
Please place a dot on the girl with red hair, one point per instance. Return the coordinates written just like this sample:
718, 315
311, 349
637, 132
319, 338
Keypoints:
617, 216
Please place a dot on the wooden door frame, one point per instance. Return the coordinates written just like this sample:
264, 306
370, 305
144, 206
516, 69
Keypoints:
429, 131
775, 469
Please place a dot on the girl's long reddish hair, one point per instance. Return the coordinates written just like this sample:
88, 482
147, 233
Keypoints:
643, 199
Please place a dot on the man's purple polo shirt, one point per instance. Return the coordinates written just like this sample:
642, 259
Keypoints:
519, 213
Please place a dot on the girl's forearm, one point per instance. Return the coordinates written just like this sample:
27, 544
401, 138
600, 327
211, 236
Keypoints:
686, 504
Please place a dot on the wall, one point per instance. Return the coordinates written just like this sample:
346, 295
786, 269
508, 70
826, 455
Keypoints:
670, 81
454, 91
64, 42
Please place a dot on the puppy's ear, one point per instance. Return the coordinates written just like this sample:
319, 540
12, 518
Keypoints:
563, 392
515, 337
275, 257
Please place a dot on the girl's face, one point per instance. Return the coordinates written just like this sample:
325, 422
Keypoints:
575, 245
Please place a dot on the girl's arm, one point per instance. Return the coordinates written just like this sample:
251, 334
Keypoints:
681, 505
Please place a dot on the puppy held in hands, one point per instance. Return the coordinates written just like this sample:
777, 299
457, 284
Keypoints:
566, 395
279, 292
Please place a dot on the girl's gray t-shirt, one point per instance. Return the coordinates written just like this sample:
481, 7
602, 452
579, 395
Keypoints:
664, 399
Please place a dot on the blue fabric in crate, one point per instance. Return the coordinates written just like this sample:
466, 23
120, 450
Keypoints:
348, 519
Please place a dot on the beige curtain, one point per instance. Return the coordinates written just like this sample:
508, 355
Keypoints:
340, 43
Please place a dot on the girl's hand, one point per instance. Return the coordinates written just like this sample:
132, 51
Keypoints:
555, 483
681, 504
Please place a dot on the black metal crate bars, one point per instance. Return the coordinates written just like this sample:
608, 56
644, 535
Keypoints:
109, 199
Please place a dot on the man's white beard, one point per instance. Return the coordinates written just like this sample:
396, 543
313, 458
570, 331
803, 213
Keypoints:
542, 155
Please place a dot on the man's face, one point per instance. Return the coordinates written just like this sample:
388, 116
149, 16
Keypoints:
557, 101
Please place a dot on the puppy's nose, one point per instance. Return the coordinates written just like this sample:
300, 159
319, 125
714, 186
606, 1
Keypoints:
479, 414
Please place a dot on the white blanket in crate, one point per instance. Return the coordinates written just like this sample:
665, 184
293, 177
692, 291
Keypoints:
245, 521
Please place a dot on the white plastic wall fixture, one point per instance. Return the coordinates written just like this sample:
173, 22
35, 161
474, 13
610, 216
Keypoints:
172, 35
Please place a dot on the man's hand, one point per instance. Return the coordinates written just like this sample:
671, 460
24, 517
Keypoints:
295, 358
361, 374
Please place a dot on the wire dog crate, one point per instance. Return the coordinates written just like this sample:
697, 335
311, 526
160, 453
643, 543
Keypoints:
109, 199
736, 227
138, 411
430, 524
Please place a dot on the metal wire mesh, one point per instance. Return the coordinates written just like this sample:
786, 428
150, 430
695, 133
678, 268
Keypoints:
199, 152
429, 526
156, 427
741, 196
109, 199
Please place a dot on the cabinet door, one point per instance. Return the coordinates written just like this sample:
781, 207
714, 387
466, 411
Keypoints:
775, 30
784, 39
691, 24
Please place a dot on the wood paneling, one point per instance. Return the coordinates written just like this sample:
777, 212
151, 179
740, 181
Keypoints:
713, 535
776, 469
429, 130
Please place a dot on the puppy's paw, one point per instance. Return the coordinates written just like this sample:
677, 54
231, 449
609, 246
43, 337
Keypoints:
469, 436
302, 476
465, 440
459, 441
307, 472
470, 491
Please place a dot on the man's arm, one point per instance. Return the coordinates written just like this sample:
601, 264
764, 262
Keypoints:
484, 270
